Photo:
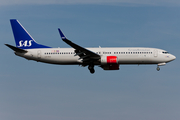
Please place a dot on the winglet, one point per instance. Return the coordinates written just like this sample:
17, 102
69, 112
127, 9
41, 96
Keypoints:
62, 35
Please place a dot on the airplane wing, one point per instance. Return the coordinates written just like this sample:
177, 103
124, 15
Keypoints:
83, 53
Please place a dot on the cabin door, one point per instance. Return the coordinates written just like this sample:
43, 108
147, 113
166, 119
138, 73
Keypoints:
155, 53
38, 54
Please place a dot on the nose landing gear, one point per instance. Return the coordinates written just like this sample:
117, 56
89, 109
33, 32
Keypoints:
160, 64
158, 68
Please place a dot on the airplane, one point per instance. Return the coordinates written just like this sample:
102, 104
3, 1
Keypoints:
108, 58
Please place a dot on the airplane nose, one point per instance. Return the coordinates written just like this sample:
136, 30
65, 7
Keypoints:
173, 57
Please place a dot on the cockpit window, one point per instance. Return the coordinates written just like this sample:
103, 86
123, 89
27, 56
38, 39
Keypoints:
165, 52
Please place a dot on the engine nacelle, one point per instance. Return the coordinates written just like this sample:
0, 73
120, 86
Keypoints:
110, 67
109, 60
109, 63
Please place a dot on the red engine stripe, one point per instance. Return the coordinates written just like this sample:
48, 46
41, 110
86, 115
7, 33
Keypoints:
111, 59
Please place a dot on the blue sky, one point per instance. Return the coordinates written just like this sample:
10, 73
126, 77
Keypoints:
31, 90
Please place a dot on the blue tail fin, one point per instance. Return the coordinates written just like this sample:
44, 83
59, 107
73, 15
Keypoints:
22, 38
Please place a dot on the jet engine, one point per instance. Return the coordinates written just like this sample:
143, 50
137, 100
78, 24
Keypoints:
109, 63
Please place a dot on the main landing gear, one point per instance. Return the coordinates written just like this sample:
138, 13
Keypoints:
91, 68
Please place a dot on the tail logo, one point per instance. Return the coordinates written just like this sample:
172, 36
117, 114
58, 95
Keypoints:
25, 43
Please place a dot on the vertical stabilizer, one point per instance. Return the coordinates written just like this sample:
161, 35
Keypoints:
22, 38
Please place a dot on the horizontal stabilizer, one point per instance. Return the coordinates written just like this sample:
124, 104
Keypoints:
16, 49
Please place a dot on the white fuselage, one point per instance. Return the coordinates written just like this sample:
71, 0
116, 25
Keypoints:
125, 55
106, 58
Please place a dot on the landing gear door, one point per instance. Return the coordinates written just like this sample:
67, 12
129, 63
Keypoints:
155, 53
